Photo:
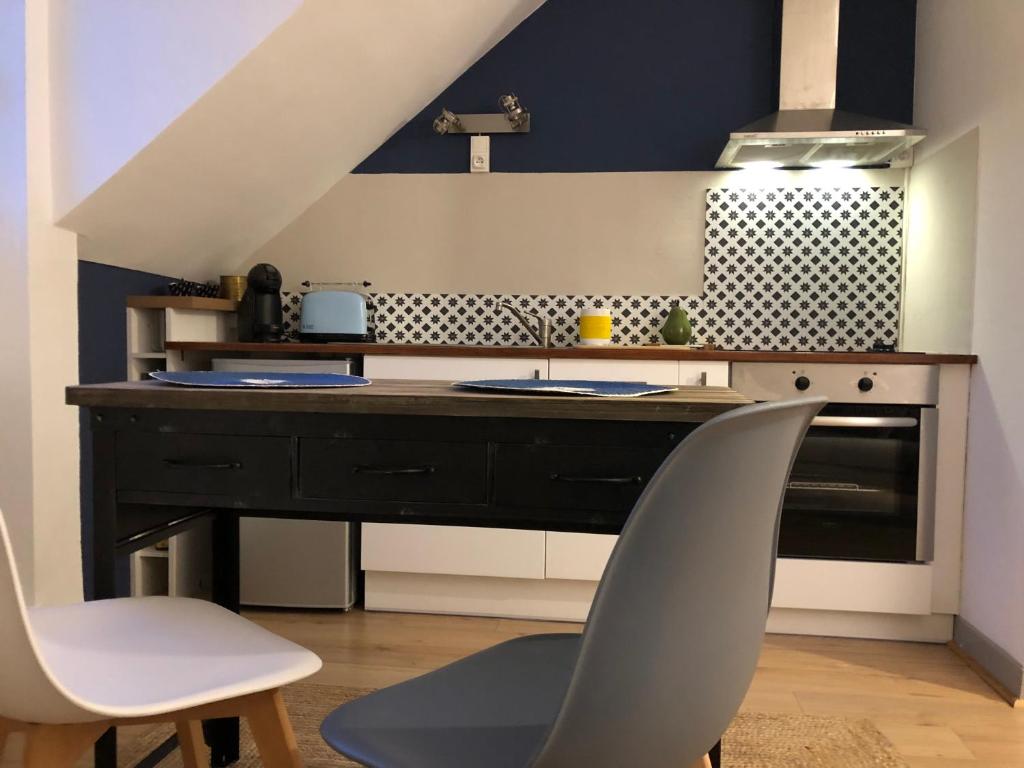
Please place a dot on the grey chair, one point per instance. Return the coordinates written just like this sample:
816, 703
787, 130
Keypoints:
669, 648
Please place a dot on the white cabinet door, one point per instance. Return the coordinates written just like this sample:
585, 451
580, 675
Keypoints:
453, 368
579, 556
712, 374
453, 550
646, 371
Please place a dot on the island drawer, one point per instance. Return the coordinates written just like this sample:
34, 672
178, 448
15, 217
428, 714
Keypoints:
606, 478
392, 470
251, 467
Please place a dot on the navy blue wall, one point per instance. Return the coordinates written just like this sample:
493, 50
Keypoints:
101, 357
648, 85
875, 75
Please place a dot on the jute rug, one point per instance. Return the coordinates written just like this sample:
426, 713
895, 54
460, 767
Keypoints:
753, 740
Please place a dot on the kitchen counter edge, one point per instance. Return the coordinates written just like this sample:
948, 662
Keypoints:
581, 352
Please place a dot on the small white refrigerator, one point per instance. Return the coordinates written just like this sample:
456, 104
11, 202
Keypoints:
294, 563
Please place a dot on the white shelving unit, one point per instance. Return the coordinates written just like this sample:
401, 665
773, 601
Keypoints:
183, 568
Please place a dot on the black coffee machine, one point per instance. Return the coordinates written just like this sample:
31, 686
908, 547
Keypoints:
259, 315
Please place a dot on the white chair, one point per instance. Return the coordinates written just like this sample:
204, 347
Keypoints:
68, 673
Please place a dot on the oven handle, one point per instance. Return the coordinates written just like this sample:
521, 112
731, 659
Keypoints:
864, 422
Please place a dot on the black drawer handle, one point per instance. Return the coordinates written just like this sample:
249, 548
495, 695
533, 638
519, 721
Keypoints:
190, 464
634, 480
363, 469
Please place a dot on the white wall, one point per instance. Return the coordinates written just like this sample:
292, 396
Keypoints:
938, 282
15, 382
39, 483
53, 342
969, 60
547, 233
122, 71
322, 91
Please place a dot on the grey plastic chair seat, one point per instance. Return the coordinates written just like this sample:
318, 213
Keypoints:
669, 648
489, 710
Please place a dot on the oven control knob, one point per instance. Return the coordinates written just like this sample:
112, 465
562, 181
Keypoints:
866, 384
802, 383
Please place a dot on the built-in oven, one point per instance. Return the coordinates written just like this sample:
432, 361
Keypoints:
862, 486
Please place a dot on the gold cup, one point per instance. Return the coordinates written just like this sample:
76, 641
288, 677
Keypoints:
232, 286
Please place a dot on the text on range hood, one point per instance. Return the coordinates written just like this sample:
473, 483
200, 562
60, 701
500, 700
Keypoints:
808, 130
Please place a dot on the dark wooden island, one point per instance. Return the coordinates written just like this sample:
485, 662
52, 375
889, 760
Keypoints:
167, 457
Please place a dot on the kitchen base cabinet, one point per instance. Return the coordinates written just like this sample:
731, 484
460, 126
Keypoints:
453, 550
453, 368
577, 556
670, 372
417, 556
554, 575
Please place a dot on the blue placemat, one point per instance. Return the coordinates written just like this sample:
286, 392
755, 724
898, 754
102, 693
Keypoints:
259, 380
567, 387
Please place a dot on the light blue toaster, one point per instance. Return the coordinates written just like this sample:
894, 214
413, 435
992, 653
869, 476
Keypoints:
334, 316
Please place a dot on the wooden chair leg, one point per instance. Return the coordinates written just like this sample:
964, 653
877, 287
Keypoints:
704, 762
272, 731
6, 729
59, 746
190, 739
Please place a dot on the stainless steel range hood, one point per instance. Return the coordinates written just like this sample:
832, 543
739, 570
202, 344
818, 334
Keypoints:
808, 131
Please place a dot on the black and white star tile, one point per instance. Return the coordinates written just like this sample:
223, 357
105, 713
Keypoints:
784, 269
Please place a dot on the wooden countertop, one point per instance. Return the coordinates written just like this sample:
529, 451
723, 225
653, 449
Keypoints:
600, 353
413, 398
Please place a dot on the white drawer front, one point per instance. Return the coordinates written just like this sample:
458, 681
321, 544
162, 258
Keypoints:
453, 550
452, 368
580, 556
712, 374
646, 371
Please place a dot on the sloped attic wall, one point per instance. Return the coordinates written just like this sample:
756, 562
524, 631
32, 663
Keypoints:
298, 113
121, 72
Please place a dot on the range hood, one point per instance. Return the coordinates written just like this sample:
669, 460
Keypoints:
808, 131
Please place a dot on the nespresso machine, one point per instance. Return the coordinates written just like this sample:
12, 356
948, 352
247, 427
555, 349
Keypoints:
259, 314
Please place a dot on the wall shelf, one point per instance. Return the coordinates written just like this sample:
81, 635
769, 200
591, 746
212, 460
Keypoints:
181, 302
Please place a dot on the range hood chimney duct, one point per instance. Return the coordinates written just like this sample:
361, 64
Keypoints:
808, 131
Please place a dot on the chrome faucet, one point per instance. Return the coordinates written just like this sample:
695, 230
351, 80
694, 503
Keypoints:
542, 333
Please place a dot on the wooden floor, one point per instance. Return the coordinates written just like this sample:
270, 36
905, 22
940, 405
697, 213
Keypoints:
936, 711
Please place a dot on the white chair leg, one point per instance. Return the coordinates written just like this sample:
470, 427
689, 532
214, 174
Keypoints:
6, 729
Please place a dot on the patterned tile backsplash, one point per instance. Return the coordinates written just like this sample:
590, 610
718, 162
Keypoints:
784, 269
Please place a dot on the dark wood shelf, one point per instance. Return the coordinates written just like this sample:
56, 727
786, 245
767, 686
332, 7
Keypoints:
181, 302
599, 353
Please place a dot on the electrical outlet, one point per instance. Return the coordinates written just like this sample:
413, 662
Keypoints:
479, 154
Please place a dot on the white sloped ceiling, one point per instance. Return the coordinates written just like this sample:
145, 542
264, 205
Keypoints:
330, 84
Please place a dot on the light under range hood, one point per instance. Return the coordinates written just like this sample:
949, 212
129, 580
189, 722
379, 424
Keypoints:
808, 131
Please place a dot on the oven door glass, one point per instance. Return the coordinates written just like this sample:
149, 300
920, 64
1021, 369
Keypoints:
853, 490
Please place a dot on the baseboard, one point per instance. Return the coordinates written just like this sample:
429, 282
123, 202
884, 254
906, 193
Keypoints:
936, 628
1003, 673
545, 599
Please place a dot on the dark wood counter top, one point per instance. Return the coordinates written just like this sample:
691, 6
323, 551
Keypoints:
601, 353
413, 398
